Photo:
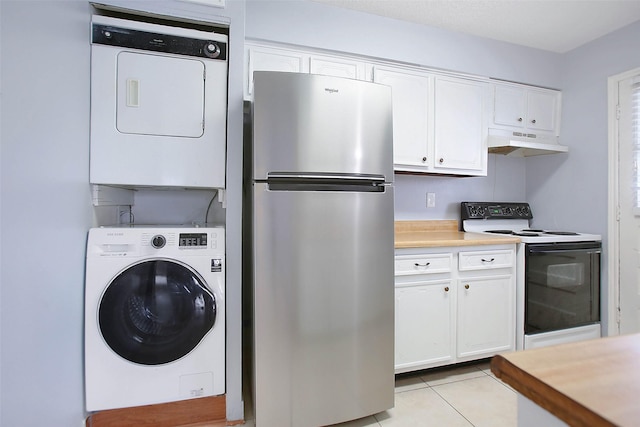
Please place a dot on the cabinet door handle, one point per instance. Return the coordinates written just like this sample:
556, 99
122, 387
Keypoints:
426, 264
466, 286
533, 121
446, 289
424, 159
520, 119
441, 160
488, 260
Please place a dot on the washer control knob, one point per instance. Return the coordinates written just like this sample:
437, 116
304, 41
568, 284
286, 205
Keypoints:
158, 241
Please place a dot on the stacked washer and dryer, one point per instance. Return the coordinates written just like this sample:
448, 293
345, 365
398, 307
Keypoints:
155, 295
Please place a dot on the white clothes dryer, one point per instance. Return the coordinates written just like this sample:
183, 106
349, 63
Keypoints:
154, 315
158, 105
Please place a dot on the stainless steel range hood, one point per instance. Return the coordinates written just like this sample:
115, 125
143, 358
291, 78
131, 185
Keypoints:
520, 144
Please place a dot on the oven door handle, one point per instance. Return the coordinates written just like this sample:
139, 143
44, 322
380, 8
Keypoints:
538, 251
595, 247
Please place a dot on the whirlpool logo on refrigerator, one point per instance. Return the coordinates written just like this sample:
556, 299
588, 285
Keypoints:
330, 90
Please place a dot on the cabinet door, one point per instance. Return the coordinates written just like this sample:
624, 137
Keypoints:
337, 67
510, 106
410, 94
460, 129
260, 58
424, 316
486, 319
542, 110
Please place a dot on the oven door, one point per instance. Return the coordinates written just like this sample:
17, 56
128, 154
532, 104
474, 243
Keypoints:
562, 285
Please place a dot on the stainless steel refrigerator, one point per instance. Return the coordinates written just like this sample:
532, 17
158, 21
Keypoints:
322, 248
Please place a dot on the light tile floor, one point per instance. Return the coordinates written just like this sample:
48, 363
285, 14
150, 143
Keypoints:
463, 395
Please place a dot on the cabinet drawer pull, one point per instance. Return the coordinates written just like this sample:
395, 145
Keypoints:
533, 121
426, 264
466, 286
488, 260
446, 289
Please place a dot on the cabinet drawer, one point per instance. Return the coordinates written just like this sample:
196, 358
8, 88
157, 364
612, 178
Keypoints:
485, 260
423, 264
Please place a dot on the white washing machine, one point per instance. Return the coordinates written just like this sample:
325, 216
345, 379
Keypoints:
154, 315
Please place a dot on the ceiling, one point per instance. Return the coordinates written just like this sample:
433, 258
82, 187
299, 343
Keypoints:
552, 25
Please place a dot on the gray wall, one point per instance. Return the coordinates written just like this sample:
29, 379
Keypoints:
570, 191
46, 210
46, 205
321, 26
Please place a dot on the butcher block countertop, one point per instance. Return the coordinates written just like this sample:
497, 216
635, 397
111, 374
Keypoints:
588, 383
436, 233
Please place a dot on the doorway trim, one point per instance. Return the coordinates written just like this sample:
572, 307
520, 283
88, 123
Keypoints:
613, 203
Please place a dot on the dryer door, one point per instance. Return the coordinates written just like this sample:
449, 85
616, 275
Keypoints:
156, 311
160, 95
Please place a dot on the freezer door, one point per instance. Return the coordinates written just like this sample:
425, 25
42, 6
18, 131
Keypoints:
312, 123
323, 306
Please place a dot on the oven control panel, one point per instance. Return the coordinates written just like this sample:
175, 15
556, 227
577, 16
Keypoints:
495, 210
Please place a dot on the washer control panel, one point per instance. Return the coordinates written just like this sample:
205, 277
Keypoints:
495, 210
192, 240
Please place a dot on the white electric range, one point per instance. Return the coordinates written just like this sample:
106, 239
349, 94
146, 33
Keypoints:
558, 274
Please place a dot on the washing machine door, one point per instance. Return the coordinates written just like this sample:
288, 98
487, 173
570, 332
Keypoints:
156, 311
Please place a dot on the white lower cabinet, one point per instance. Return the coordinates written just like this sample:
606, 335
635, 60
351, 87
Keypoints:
424, 317
485, 307
461, 309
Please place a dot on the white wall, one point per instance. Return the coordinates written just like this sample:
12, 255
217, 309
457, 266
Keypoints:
46, 204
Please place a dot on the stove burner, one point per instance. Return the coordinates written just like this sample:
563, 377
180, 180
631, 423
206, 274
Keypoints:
531, 230
525, 234
562, 233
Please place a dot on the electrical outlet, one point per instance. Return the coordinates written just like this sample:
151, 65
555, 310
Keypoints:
431, 200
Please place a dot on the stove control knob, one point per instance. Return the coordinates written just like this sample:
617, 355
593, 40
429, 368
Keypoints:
158, 241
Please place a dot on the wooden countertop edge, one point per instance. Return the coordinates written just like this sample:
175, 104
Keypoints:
426, 225
436, 239
545, 396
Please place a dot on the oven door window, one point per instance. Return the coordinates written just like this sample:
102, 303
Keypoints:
562, 287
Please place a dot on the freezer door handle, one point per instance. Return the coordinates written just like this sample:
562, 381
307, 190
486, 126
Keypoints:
365, 178
326, 182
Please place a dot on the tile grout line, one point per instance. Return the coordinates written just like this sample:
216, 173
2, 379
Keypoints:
451, 405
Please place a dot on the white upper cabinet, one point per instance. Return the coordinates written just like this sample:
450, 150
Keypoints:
439, 122
443, 122
526, 108
460, 142
268, 58
411, 98
262, 58
337, 67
